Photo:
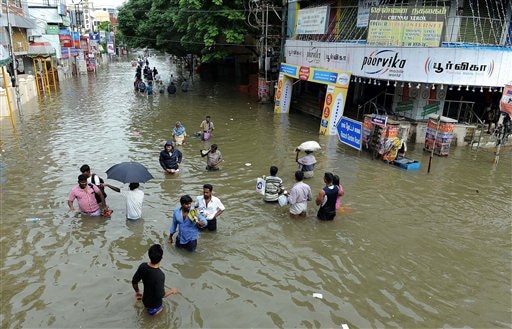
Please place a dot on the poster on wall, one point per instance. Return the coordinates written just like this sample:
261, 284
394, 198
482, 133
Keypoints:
506, 100
406, 26
110, 48
313, 20
363, 11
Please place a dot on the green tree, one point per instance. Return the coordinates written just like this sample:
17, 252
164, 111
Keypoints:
129, 20
209, 28
105, 26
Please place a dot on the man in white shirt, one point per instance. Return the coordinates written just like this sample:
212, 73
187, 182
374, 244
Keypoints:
134, 198
210, 206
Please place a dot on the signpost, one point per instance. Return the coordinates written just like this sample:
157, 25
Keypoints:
350, 132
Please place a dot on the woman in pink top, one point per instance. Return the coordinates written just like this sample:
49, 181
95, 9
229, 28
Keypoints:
336, 182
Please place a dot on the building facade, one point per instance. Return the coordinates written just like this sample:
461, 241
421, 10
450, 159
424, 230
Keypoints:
412, 58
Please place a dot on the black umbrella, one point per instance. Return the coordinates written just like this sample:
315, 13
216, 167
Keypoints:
129, 172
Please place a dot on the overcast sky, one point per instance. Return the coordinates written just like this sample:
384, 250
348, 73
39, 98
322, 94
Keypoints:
107, 3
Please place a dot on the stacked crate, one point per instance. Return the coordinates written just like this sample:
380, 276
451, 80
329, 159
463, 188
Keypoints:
442, 134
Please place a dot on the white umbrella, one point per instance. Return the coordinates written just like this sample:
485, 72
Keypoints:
309, 146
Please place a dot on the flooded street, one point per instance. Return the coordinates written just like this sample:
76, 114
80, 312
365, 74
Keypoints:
409, 249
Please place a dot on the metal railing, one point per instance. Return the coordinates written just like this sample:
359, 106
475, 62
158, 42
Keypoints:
458, 30
375, 105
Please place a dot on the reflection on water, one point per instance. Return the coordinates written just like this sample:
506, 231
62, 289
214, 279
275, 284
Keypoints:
408, 249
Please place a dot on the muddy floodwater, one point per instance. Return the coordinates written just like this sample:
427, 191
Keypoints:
407, 250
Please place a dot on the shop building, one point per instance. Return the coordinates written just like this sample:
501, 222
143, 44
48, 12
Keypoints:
410, 59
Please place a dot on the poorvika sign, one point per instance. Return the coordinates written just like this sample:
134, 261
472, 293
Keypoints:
451, 66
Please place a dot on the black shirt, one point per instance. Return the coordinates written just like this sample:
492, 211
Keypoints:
153, 280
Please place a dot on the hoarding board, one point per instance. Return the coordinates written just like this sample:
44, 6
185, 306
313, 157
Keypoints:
406, 26
313, 20
449, 66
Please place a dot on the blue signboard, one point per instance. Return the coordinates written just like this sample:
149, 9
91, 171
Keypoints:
380, 120
288, 69
350, 132
325, 76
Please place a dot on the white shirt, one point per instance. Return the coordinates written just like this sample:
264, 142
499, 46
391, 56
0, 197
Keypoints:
134, 200
209, 211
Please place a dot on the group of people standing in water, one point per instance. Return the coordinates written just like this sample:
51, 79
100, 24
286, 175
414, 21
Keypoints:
328, 198
153, 79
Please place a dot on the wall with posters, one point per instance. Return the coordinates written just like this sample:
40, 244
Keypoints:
336, 94
478, 66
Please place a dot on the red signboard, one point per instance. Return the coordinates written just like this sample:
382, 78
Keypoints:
304, 73
65, 41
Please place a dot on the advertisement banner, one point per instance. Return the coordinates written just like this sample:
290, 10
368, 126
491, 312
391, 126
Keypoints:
290, 70
448, 66
337, 85
110, 48
334, 105
103, 37
94, 37
350, 132
506, 100
76, 39
313, 20
93, 47
283, 94
65, 41
406, 26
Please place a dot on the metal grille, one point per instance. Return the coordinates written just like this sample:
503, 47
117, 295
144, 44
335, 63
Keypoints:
481, 22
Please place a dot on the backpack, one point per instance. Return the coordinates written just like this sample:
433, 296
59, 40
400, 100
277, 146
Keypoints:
142, 86
102, 188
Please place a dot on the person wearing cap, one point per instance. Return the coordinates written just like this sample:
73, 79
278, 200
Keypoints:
179, 134
170, 158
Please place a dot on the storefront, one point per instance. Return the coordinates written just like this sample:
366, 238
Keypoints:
336, 82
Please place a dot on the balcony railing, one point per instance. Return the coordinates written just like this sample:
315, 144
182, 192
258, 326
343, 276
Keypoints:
457, 30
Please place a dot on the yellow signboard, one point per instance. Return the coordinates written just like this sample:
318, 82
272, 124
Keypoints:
406, 27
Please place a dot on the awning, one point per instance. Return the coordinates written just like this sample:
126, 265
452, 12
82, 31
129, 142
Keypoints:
48, 15
17, 21
4, 56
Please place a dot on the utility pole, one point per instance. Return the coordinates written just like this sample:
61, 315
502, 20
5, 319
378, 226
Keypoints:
14, 77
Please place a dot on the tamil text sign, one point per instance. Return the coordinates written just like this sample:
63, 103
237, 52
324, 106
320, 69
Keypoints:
350, 132
406, 26
313, 20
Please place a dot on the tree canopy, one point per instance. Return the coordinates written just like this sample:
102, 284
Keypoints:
106, 26
209, 28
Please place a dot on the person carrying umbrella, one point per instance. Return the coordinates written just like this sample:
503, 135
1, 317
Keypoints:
170, 158
130, 172
134, 198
